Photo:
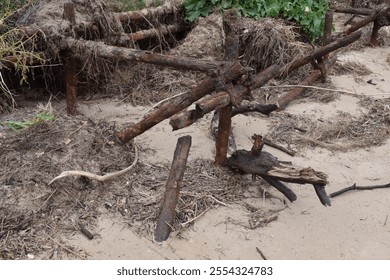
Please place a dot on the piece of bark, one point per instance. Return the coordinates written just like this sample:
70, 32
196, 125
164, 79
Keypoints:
321, 52
172, 189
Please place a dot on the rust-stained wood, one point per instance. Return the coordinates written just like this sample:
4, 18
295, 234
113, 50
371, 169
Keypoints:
372, 17
208, 104
328, 26
295, 93
322, 51
271, 170
120, 53
222, 140
176, 105
128, 39
148, 13
355, 11
172, 189
70, 66
374, 34
71, 85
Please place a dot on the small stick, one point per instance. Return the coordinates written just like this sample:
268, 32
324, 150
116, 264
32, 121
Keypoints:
261, 253
86, 232
386, 220
65, 248
354, 187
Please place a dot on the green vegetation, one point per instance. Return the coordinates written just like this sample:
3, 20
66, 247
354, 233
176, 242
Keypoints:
309, 14
41, 117
8, 6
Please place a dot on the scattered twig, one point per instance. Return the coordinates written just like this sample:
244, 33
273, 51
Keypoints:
354, 187
261, 253
279, 147
195, 218
310, 87
65, 248
100, 178
385, 220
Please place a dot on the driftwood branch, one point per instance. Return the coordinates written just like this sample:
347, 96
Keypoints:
176, 105
128, 39
169, 7
172, 189
269, 167
354, 11
372, 17
121, 53
100, 178
354, 187
264, 109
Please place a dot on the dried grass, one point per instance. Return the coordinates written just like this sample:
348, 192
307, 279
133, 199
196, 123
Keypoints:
342, 132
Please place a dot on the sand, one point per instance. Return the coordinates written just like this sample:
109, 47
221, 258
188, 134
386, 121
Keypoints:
356, 226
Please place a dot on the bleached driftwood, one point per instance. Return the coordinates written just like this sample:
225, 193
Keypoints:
100, 178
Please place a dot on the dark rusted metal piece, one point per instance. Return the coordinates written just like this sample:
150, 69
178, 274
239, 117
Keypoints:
172, 189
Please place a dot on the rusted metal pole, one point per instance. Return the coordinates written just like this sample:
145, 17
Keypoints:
172, 189
224, 129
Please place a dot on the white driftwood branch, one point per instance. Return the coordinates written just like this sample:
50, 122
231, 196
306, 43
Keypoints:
100, 178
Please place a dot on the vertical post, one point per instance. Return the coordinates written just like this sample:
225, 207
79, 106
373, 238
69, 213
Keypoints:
375, 34
172, 189
225, 114
328, 26
70, 66
224, 128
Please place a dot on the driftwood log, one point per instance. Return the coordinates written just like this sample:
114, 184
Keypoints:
172, 189
268, 167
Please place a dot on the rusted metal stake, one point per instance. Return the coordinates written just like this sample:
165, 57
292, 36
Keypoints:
172, 189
